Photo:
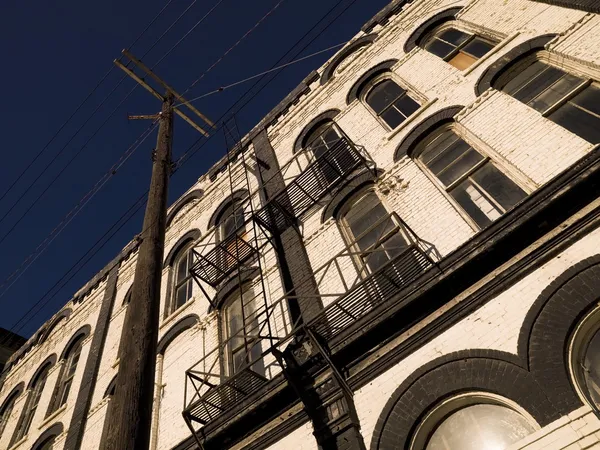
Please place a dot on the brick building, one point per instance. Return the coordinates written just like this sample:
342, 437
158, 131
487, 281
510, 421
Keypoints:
404, 254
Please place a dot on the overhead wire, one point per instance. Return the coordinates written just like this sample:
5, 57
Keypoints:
186, 156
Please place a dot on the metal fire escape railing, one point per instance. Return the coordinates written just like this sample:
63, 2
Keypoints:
350, 285
315, 182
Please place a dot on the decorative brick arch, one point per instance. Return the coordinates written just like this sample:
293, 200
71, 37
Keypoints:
382, 67
49, 433
13, 395
351, 48
82, 333
48, 362
490, 371
187, 198
191, 235
491, 74
47, 331
415, 38
240, 194
182, 325
549, 325
423, 128
353, 185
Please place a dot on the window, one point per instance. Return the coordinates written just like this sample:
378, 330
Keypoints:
6, 411
231, 231
240, 326
48, 444
33, 400
470, 178
390, 102
585, 359
183, 283
230, 220
374, 233
67, 375
569, 100
457, 47
474, 421
332, 157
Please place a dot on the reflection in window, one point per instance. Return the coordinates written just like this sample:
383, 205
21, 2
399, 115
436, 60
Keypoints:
483, 191
183, 282
391, 103
480, 427
371, 229
231, 219
568, 100
240, 325
33, 400
458, 48
67, 375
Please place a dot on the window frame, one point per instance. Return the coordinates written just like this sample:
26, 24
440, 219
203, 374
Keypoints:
186, 251
32, 403
485, 34
6, 410
411, 91
578, 344
61, 393
488, 154
445, 408
589, 75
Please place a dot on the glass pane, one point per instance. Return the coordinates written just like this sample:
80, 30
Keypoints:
539, 84
523, 77
439, 48
364, 213
406, 105
392, 117
472, 200
589, 99
182, 269
460, 166
478, 47
591, 369
239, 359
578, 121
376, 260
480, 427
437, 145
453, 36
181, 296
461, 60
555, 92
65, 394
383, 94
498, 186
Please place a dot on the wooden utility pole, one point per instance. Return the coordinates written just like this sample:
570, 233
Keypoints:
130, 410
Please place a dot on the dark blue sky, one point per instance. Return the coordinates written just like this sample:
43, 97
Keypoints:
55, 52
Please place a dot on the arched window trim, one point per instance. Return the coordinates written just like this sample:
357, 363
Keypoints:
8, 405
449, 406
411, 91
489, 154
184, 244
466, 27
577, 348
183, 251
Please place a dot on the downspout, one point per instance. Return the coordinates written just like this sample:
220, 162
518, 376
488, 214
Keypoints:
156, 403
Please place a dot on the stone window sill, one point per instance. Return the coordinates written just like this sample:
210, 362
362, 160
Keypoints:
53, 416
171, 317
410, 119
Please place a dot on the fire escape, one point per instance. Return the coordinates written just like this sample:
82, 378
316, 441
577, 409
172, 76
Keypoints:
349, 285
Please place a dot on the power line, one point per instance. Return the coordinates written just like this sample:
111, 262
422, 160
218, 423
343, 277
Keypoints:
188, 154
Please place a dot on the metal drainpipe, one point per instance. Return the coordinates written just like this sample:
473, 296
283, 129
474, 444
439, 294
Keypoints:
156, 404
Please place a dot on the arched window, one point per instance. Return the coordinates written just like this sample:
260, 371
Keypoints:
469, 177
391, 103
33, 400
182, 278
231, 219
7, 409
375, 234
67, 374
240, 331
474, 421
459, 48
567, 98
48, 444
585, 359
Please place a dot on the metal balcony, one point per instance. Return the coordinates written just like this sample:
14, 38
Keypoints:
350, 286
315, 182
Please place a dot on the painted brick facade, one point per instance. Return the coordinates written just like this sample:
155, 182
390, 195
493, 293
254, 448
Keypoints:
478, 328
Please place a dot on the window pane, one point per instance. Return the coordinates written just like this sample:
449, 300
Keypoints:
538, 84
472, 200
453, 36
555, 92
526, 80
440, 143
383, 94
392, 117
181, 296
578, 121
480, 427
182, 269
439, 48
477, 47
461, 60
406, 105
498, 186
589, 99
591, 368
